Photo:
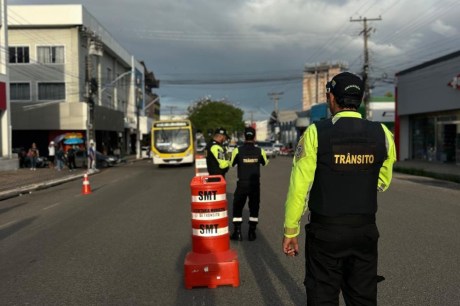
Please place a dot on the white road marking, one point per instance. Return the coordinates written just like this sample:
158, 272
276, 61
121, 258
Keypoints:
9, 223
51, 206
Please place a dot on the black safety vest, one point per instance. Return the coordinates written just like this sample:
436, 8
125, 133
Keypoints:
249, 159
350, 155
211, 162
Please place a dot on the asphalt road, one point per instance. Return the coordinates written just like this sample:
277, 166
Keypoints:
125, 243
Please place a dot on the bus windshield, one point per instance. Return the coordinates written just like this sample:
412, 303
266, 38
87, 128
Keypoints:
172, 140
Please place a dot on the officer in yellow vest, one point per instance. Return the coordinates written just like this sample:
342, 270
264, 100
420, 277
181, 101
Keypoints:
217, 161
339, 166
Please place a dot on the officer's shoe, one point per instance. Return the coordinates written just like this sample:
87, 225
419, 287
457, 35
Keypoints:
236, 232
237, 235
252, 234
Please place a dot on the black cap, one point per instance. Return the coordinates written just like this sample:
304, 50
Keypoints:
221, 131
249, 133
346, 85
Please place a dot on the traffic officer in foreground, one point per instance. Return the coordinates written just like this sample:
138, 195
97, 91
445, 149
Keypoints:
339, 165
248, 157
216, 156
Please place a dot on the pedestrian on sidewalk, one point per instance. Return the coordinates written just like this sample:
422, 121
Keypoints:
248, 157
60, 158
91, 156
71, 158
33, 155
339, 166
51, 154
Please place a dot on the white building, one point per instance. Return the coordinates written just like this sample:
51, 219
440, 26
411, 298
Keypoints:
57, 54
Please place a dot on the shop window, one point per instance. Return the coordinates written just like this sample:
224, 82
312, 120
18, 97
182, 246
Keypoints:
423, 139
446, 142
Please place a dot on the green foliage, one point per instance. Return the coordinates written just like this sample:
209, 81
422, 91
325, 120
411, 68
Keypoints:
208, 115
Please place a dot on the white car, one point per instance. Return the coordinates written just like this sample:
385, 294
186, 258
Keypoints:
200, 146
277, 148
268, 148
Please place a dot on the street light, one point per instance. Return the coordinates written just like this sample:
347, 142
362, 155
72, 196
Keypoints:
138, 138
116, 80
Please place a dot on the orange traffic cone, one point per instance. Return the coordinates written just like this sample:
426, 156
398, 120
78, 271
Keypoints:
86, 188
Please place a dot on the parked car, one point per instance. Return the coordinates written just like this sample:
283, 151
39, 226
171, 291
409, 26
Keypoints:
268, 148
200, 146
102, 161
286, 151
145, 152
277, 148
24, 160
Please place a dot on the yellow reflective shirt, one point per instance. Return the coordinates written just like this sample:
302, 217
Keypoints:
303, 173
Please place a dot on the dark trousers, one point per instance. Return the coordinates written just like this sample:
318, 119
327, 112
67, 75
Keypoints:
245, 190
341, 257
71, 162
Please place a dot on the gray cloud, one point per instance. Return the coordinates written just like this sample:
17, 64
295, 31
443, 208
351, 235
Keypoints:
203, 39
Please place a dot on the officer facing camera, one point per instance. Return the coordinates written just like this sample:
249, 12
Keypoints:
216, 155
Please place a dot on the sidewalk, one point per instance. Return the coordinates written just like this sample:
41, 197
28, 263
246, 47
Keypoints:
13, 183
24, 180
441, 171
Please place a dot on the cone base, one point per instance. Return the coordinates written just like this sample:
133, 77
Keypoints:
211, 270
86, 190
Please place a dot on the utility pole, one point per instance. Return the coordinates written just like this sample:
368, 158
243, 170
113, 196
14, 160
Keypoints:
5, 105
275, 96
252, 116
317, 85
171, 109
94, 47
366, 35
138, 96
89, 104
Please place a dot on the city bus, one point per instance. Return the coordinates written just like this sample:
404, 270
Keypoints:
172, 142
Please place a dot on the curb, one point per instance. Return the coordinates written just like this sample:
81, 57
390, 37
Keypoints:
39, 186
47, 184
421, 172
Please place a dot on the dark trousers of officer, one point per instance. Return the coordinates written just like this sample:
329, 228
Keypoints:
341, 257
245, 190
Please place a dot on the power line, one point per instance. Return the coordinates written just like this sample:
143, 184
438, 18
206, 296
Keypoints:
232, 81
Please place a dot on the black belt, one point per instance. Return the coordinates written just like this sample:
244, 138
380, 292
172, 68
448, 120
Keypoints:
343, 220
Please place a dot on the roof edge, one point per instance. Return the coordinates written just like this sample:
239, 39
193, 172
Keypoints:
429, 63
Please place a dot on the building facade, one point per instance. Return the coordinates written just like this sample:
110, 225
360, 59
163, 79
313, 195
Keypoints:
427, 123
68, 74
314, 82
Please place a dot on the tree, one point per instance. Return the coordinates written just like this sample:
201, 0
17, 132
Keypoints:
207, 115
389, 94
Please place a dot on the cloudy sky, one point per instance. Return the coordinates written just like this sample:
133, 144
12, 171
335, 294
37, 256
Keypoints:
251, 48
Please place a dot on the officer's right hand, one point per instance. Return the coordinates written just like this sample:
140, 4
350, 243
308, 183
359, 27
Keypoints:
290, 246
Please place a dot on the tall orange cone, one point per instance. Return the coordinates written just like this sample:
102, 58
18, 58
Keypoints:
86, 188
